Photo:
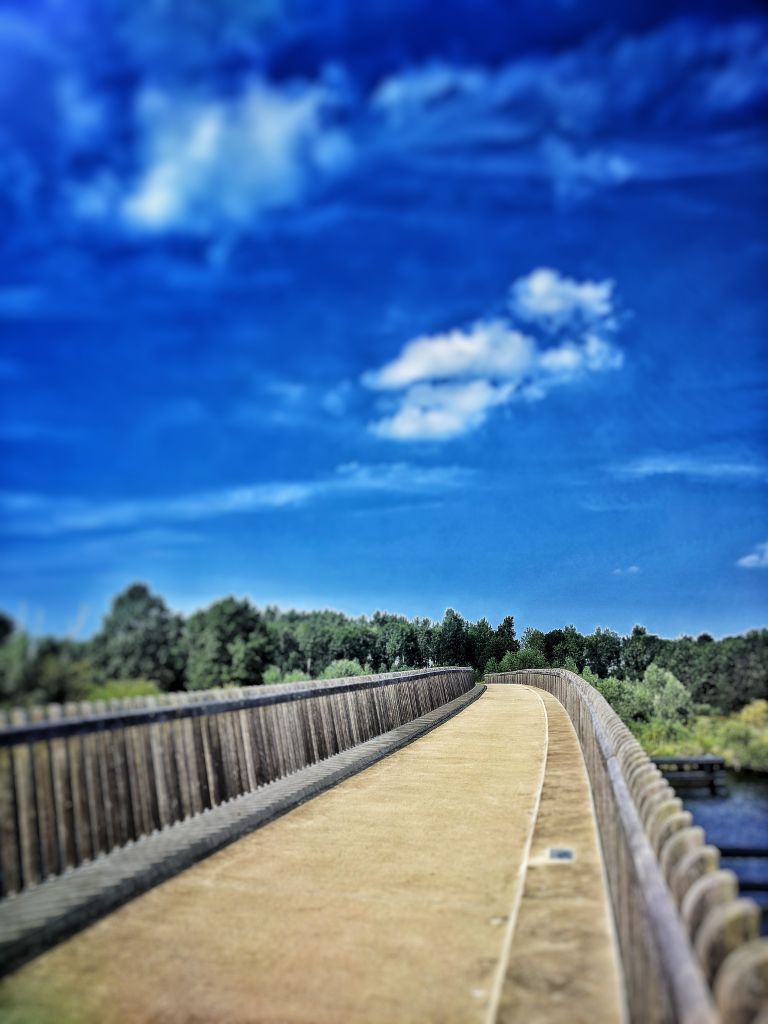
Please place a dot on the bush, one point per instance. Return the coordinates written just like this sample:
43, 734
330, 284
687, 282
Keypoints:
744, 737
632, 701
118, 689
515, 661
671, 700
343, 667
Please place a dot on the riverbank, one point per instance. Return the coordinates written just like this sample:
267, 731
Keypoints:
741, 739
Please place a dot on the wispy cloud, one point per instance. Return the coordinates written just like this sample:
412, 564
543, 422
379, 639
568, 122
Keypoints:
572, 119
557, 330
694, 467
756, 559
41, 515
631, 570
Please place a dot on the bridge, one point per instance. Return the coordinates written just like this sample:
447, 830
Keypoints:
408, 847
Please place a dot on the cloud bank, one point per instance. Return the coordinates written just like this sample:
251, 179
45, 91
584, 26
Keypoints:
555, 332
176, 141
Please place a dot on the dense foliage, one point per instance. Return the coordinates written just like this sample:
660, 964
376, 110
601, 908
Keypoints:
142, 643
662, 713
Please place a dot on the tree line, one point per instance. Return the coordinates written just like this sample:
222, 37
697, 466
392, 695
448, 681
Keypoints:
145, 647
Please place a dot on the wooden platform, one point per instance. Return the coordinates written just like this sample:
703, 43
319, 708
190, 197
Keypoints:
696, 771
458, 880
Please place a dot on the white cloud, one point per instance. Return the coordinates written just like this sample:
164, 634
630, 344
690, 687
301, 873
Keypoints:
631, 570
694, 467
548, 298
448, 383
756, 559
211, 162
489, 348
38, 515
438, 412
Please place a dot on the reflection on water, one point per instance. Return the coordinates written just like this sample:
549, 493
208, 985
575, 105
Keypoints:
737, 816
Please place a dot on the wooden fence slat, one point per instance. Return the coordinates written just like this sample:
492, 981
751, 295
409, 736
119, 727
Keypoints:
58, 789
10, 879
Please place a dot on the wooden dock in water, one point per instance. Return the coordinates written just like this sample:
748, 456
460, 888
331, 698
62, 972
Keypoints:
701, 771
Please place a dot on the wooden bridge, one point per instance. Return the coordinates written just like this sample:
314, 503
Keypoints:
412, 847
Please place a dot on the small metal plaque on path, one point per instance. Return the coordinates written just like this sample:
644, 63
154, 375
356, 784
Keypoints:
561, 853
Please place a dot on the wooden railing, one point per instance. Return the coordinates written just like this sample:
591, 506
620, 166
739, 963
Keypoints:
79, 780
689, 945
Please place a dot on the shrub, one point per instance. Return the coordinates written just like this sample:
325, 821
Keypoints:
514, 661
343, 667
118, 689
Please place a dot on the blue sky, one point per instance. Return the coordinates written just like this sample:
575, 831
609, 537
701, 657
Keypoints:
343, 305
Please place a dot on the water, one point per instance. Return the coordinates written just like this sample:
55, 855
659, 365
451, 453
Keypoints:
737, 817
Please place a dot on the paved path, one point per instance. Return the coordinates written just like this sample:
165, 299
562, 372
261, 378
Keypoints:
420, 890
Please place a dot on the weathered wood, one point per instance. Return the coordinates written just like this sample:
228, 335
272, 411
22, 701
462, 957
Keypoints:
705, 893
677, 847
10, 878
79, 781
741, 988
21, 772
725, 928
699, 861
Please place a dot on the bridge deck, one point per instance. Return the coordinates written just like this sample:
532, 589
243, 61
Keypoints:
419, 890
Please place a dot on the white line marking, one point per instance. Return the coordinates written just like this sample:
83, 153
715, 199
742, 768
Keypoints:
506, 947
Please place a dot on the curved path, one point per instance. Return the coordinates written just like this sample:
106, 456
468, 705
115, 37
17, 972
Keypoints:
421, 890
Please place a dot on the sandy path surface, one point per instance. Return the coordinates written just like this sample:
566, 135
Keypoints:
399, 895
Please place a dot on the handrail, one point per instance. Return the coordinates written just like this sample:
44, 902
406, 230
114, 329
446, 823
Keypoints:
682, 931
280, 693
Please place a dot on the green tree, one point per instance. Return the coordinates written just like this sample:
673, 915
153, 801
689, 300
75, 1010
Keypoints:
560, 644
7, 627
632, 701
534, 640
481, 643
248, 658
514, 661
15, 678
139, 639
59, 671
451, 641
505, 637
602, 652
425, 638
638, 651
671, 700
226, 644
